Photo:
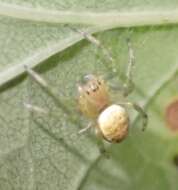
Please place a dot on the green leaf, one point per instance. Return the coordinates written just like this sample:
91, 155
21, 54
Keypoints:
41, 151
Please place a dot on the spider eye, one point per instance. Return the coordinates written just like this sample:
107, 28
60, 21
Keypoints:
94, 87
94, 90
99, 83
88, 92
88, 77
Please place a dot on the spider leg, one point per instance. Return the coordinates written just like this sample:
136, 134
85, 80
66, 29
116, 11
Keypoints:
51, 92
100, 143
33, 108
89, 126
140, 110
129, 85
107, 55
36, 109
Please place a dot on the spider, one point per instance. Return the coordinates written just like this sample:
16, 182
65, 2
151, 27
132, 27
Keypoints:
110, 120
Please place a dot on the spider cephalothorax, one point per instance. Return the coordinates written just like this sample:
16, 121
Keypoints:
93, 96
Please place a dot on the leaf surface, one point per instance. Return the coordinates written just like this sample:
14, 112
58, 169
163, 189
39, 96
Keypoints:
39, 151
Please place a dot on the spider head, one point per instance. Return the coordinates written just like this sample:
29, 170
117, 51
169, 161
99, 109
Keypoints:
93, 96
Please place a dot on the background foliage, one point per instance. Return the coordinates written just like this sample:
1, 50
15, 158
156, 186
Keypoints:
44, 152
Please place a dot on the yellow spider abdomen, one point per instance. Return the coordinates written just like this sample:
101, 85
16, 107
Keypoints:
114, 123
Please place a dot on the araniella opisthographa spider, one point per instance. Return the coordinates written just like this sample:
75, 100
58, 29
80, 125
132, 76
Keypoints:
109, 119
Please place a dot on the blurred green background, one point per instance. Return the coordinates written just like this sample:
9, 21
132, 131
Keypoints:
44, 151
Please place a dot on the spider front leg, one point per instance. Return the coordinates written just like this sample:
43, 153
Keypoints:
98, 139
139, 110
51, 92
33, 108
39, 110
106, 53
129, 85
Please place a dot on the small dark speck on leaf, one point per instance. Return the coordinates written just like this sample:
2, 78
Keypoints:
175, 160
171, 115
